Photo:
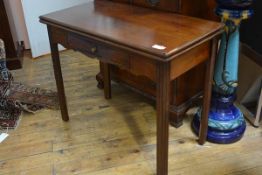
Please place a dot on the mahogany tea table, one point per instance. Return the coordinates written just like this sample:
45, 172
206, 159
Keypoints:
158, 45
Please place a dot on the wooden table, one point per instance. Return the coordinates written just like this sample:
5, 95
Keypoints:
158, 45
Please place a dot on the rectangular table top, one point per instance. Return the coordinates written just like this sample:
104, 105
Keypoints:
154, 32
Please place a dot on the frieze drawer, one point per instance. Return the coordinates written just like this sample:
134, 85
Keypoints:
95, 49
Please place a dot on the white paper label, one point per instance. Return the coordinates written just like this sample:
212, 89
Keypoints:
159, 47
3, 136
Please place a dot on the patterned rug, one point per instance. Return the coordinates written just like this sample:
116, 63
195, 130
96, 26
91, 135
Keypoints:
16, 97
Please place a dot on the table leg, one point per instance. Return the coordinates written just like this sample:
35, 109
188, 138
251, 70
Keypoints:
207, 92
163, 88
58, 77
107, 80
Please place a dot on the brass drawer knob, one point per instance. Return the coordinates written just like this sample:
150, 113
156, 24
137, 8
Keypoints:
93, 49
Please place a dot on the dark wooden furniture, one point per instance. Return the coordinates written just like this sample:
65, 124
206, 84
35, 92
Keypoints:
181, 95
14, 57
251, 32
131, 37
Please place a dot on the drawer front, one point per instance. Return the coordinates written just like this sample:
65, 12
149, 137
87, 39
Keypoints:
94, 49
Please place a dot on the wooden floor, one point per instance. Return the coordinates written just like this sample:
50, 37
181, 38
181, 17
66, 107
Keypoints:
110, 137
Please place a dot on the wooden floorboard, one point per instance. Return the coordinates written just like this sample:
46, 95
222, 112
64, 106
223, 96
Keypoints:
110, 137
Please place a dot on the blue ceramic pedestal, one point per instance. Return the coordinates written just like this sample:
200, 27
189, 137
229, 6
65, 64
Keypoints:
226, 123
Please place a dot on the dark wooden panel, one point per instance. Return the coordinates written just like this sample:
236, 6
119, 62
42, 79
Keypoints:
14, 58
5, 32
172, 6
199, 8
251, 29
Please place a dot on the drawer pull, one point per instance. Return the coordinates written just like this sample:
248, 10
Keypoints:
93, 49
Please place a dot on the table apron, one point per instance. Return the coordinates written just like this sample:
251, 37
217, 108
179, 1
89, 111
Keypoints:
139, 65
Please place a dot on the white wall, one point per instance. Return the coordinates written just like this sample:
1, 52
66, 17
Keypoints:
38, 36
17, 22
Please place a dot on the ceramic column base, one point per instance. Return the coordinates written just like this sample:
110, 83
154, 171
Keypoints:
226, 123
221, 137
